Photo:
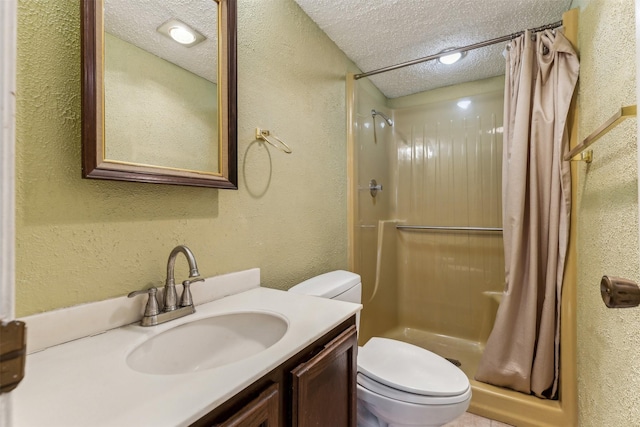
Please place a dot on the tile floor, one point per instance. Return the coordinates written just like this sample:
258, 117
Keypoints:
471, 420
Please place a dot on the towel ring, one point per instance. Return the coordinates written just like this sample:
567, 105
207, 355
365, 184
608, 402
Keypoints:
265, 135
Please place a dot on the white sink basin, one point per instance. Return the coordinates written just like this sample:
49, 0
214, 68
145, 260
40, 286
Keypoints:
208, 343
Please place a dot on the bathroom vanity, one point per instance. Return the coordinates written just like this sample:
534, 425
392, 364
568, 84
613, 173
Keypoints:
316, 387
90, 365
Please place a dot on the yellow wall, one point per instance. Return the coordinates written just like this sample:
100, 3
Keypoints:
85, 240
608, 339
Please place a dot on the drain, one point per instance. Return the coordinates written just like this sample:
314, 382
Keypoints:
454, 361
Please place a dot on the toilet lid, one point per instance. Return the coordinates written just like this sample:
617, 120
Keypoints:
411, 369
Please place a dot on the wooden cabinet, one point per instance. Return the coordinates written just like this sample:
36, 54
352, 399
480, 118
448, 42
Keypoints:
316, 387
260, 412
324, 392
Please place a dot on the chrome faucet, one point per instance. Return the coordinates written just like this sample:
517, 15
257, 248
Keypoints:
170, 296
154, 316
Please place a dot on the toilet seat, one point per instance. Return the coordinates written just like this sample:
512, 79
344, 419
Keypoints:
402, 396
408, 373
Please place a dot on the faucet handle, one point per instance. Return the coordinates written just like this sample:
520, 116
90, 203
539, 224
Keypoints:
186, 299
152, 303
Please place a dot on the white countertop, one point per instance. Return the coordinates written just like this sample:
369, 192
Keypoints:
87, 382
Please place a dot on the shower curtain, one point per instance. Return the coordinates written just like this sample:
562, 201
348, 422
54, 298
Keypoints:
522, 352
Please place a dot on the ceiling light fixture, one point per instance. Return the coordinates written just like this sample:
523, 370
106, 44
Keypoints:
181, 33
452, 58
464, 104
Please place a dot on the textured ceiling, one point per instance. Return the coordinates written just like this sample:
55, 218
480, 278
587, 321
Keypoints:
380, 33
135, 21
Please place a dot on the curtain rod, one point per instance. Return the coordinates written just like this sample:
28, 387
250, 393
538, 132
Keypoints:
460, 49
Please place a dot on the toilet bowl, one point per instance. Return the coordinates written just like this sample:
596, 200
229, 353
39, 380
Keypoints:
399, 384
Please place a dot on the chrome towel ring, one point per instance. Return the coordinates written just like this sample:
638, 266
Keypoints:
265, 135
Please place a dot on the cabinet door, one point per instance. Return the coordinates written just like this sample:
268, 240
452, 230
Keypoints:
260, 412
324, 388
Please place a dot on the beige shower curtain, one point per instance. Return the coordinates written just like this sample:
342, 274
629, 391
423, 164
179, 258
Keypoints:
522, 351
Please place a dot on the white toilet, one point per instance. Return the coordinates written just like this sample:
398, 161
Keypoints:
399, 384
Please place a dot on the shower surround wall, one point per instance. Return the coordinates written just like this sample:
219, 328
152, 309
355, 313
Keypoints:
449, 163
440, 164
370, 159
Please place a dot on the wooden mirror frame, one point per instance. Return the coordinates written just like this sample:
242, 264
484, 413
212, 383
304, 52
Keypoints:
94, 164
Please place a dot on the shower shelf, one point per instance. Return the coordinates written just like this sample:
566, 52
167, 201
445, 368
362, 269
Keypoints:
615, 120
439, 228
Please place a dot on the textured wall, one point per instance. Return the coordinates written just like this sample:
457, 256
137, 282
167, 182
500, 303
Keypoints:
608, 340
150, 104
84, 240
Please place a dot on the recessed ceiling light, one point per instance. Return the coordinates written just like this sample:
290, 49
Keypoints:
452, 58
181, 33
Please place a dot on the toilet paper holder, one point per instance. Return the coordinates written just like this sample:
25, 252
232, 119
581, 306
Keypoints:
617, 292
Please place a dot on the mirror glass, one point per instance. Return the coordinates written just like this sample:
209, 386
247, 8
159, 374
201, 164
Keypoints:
159, 82
156, 88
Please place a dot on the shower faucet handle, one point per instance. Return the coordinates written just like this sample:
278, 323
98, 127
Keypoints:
374, 187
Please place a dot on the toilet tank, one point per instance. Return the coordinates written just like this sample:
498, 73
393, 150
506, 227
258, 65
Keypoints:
339, 285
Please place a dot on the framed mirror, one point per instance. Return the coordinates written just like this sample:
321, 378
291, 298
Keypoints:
159, 91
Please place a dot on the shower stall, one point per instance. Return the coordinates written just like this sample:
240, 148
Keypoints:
426, 235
